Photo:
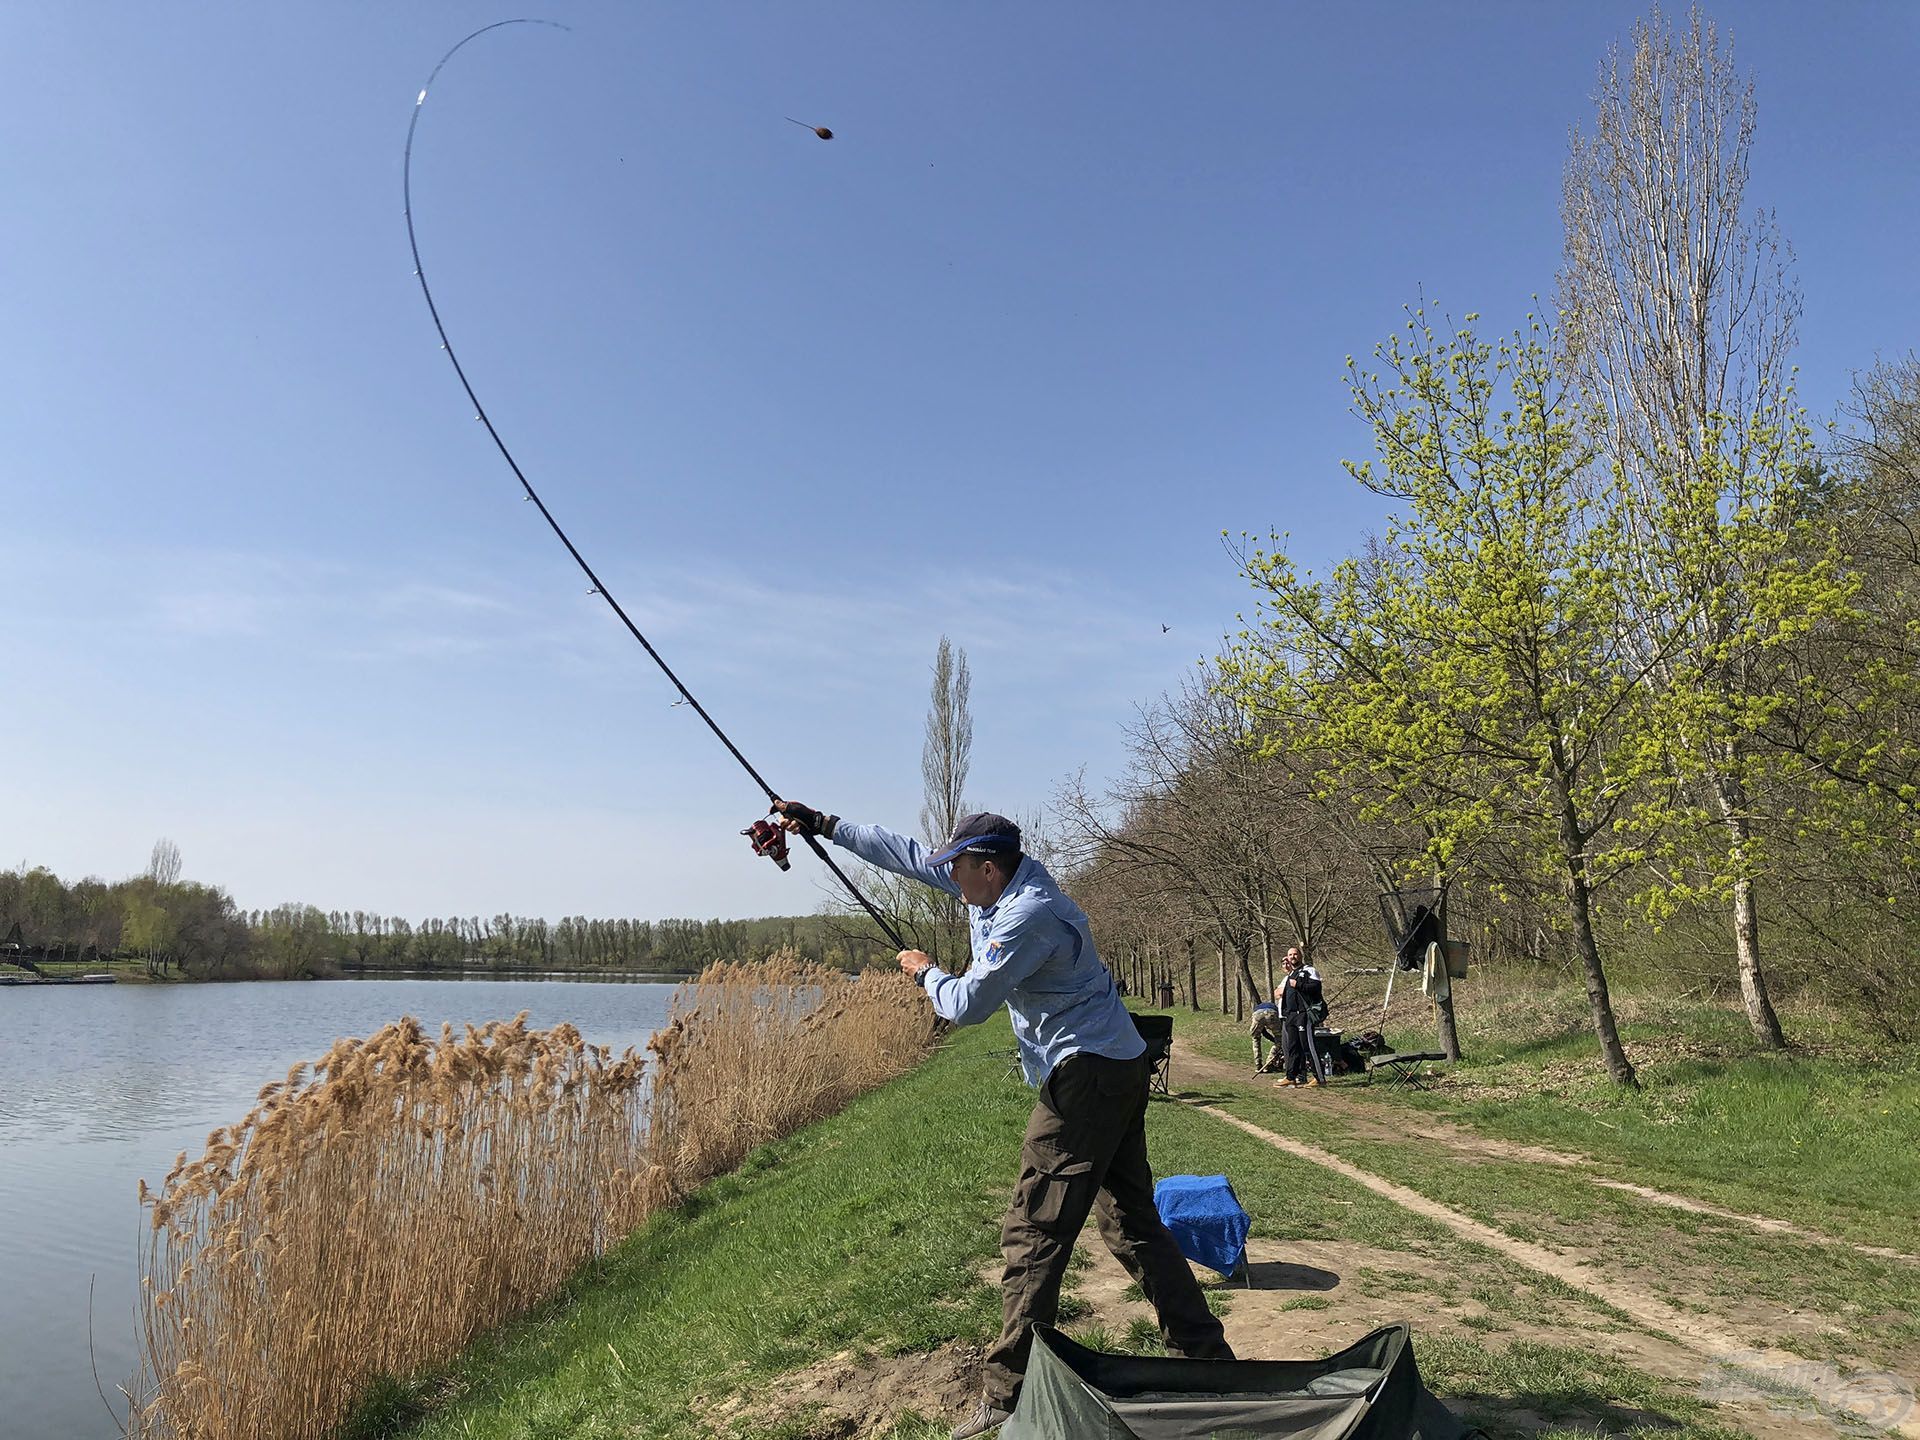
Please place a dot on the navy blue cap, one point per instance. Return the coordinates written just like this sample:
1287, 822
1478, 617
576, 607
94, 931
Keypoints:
984, 834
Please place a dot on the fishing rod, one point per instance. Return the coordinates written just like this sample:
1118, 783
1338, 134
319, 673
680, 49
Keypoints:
767, 839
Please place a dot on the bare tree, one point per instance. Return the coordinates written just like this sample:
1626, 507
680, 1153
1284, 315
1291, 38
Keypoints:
947, 755
1679, 316
163, 867
1206, 835
931, 919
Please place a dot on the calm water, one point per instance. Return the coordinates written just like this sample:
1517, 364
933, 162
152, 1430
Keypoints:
102, 1085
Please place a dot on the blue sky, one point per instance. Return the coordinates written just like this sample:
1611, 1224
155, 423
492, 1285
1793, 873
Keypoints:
1068, 295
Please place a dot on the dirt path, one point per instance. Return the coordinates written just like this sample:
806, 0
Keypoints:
1878, 1399
1366, 1122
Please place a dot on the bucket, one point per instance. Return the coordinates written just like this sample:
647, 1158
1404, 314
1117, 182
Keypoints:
1454, 952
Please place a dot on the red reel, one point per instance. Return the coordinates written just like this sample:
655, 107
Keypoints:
770, 840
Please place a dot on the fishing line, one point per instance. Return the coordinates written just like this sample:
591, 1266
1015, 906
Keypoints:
599, 588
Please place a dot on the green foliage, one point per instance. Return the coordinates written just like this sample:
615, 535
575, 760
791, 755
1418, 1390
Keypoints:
196, 930
1470, 674
1729, 571
1464, 672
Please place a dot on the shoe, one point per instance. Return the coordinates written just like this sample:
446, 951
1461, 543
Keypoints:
1283, 1081
1316, 1082
984, 1420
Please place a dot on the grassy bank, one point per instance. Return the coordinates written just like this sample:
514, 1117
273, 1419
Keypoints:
865, 1238
1821, 1138
1822, 1135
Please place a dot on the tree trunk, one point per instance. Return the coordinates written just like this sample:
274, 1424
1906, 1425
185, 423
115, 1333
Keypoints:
1246, 978
1580, 912
1193, 976
1730, 799
1753, 979
1579, 908
1443, 1006
1221, 952
1449, 1034
1266, 953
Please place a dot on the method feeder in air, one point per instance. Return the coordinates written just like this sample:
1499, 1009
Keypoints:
757, 832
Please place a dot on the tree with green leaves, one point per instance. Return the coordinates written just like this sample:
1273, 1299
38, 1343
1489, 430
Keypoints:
1466, 674
1678, 319
1854, 720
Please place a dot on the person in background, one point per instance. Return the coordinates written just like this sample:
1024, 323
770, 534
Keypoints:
1263, 1025
1086, 1142
1302, 1006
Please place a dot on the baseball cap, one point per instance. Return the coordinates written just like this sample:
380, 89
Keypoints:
984, 833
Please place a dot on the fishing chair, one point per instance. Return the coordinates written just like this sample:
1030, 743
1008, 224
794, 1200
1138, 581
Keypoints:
1404, 1069
1157, 1031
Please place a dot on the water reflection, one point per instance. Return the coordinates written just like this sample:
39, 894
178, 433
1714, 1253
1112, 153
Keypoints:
101, 1086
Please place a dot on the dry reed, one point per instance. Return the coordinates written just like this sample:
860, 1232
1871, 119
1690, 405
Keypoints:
373, 1217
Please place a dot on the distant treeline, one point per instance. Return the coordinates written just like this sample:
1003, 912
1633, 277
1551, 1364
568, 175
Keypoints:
189, 930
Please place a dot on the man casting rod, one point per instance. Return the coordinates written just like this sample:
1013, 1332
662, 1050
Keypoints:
600, 589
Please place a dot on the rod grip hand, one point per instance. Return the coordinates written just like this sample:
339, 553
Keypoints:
804, 819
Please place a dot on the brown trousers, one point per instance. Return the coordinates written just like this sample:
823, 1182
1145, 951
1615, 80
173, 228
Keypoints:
1086, 1149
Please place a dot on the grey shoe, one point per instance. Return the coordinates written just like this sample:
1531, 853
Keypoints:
985, 1418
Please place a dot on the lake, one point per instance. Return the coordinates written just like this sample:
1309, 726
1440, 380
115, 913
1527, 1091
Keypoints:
103, 1085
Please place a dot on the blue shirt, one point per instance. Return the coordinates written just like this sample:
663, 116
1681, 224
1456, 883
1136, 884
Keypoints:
1032, 952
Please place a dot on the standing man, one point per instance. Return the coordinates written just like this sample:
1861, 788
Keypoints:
1086, 1142
1301, 1008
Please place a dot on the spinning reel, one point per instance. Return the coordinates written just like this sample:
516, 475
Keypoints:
770, 840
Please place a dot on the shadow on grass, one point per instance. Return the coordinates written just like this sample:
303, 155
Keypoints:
1530, 1414
1284, 1275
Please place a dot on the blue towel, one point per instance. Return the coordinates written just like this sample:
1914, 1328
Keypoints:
1205, 1218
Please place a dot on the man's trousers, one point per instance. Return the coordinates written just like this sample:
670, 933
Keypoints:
1086, 1150
1265, 1025
1296, 1048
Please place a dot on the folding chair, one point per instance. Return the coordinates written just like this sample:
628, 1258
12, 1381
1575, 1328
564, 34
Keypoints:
1403, 1069
1157, 1031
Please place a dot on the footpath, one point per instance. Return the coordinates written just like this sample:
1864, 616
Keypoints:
1745, 1308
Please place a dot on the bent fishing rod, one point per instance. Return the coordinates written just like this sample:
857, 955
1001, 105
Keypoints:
767, 839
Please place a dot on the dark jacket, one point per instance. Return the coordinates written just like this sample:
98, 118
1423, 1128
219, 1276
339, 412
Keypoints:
1300, 997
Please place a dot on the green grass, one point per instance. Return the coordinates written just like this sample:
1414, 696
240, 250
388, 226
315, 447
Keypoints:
1737, 1116
868, 1233
1574, 1390
1823, 1139
865, 1231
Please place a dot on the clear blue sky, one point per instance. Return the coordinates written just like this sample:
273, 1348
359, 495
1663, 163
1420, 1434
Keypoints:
1069, 294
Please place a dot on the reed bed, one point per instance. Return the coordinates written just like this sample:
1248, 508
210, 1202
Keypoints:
376, 1211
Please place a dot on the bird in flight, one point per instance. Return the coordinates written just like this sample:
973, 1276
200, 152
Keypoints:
820, 130
1165, 628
